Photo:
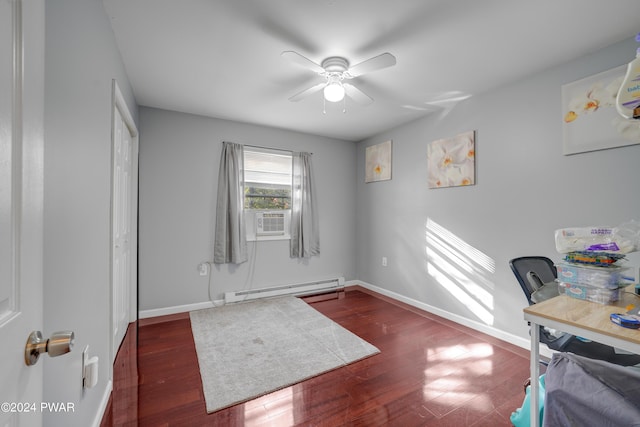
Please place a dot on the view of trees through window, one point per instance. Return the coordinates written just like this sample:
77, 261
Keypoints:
267, 179
266, 198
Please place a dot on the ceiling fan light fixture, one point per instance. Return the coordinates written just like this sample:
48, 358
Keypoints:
335, 69
334, 91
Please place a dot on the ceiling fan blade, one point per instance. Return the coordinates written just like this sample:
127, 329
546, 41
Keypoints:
302, 61
448, 97
453, 100
357, 95
420, 108
313, 89
379, 62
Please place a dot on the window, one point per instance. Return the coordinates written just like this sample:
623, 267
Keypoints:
267, 193
267, 179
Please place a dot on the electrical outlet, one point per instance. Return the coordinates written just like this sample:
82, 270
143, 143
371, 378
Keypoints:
384, 261
202, 268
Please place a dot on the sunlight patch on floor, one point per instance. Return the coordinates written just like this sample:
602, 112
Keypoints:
478, 367
436, 354
459, 352
280, 404
452, 370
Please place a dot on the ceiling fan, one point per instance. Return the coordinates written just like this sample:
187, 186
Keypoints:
334, 71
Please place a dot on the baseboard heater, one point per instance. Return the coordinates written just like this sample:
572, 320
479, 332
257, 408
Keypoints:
298, 289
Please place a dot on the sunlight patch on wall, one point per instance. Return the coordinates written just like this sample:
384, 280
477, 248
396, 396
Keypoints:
461, 270
450, 286
441, 266
460, 246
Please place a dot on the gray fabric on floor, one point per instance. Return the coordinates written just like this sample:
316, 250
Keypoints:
586, 392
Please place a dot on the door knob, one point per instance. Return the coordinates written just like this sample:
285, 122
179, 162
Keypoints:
60, 343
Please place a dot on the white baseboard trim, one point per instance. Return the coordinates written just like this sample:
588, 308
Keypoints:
103, 405
496, 333
145, 314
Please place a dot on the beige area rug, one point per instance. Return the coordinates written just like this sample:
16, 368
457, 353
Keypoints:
246, 350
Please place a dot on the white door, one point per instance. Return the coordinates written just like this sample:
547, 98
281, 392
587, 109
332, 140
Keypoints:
123, 208
21, 206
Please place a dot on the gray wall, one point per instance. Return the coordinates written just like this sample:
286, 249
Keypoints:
179, 161
525, 189
80, 62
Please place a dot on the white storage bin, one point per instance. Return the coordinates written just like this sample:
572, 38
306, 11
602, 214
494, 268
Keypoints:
589, 293
601, 277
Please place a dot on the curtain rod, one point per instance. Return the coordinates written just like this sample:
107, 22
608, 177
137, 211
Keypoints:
265, 148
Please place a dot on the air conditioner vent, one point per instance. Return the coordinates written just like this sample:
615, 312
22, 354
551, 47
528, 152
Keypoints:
269, 223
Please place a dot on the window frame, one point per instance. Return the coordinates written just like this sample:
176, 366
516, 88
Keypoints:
250, 213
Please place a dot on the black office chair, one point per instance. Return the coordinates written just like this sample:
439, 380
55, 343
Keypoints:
536, 272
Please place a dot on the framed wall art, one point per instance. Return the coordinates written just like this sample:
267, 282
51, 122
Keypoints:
451, 162
378, 162
590, 120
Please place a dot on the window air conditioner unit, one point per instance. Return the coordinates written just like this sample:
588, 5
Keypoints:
269, 223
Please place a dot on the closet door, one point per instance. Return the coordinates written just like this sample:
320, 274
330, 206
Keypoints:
121, 227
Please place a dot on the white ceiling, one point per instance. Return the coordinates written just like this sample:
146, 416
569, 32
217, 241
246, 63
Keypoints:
221, 58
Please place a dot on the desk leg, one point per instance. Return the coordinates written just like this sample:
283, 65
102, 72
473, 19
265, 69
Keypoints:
535, 374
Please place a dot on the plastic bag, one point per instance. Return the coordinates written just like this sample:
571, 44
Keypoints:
622, 239
522, 416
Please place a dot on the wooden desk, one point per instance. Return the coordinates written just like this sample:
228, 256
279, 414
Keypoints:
578, 317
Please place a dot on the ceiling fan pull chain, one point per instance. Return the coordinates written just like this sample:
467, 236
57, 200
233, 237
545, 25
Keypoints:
324, 106
344, 105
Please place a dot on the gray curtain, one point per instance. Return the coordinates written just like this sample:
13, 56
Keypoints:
305, 239
230, 241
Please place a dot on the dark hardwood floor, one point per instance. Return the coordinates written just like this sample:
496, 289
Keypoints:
430, 372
